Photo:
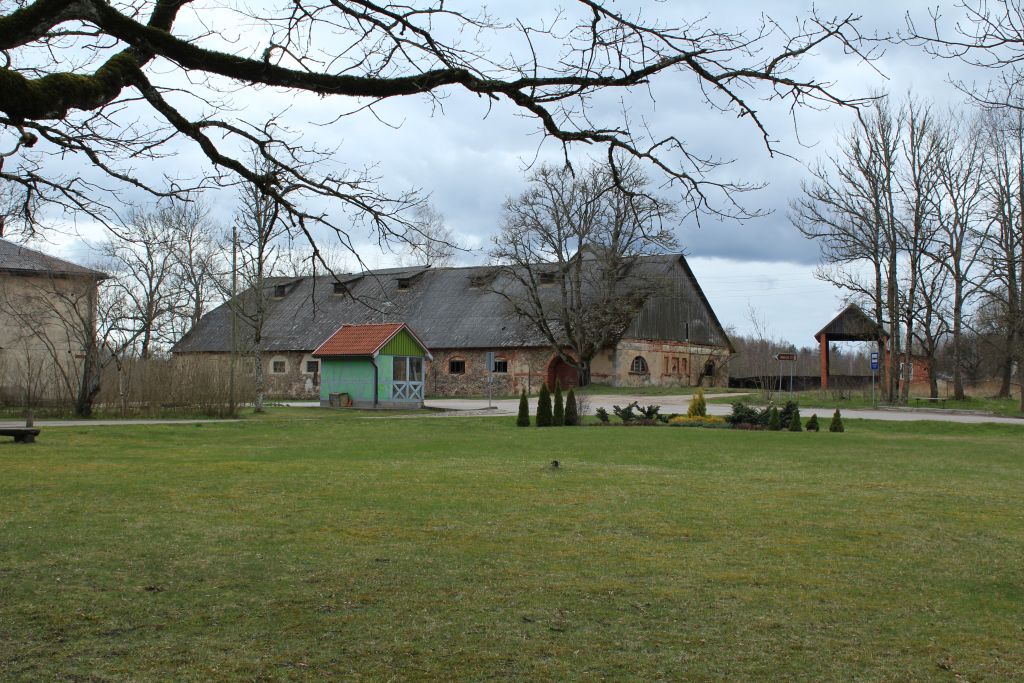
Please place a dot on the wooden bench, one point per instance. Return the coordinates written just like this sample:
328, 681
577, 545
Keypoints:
940, 401
20, 434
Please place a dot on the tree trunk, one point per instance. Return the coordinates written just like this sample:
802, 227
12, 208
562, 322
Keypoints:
257, 354
958, 315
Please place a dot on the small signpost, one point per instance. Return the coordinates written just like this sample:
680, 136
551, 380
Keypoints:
874, 369
789, 358
490, 375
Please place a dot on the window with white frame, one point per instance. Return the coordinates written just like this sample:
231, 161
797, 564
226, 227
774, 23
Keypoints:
638, 366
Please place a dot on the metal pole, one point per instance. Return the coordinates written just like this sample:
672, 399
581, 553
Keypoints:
234, 313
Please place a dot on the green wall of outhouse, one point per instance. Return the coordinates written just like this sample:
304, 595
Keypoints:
353, 375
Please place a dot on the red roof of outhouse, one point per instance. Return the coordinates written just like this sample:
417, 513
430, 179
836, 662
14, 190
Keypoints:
361, 340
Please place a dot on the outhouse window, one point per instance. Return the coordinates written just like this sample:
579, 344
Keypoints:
501, 365
639, 366
456, 366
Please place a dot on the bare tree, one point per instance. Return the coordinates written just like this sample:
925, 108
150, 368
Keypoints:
918, 182
959, 238
194, 255
300, 261
569, 249
429, 242
1002, 248
141, 255
127, 108
850, 208
256, 249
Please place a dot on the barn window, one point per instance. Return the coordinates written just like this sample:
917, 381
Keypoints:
638, 366
339, 288
501, 366
456, 366
280, 291
312, 367
547, 278
279, 367
404, 283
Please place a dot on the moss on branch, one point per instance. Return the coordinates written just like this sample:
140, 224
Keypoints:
54, 95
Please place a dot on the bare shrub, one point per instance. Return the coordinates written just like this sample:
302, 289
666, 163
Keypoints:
163, 386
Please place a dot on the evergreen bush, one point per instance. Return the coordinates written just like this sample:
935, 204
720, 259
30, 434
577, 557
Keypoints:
786, 414
572, 417
602, 415
743, 414
794, 421
837, 422
698, 406
544, 407
558, 416
524, 411
812, 424
774, 420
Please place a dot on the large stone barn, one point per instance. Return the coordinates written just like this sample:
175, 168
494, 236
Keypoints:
674, 340
47, 324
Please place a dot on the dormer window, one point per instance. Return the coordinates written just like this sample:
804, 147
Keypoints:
404, 283
477, 281
280, 291
340, 288
547, 278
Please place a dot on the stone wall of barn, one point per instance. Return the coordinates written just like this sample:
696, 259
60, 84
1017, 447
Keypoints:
661, 363
297, 381
463, 372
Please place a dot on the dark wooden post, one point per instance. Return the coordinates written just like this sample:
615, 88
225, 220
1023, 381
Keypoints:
823, 339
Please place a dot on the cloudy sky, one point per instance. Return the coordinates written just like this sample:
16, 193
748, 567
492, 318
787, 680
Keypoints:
469, 157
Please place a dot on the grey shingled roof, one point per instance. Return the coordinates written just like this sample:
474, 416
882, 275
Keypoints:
440, 304
15, 258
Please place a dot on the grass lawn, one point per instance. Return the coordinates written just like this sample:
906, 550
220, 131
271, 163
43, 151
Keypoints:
310, 544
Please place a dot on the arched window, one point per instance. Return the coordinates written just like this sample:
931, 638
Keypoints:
639, 366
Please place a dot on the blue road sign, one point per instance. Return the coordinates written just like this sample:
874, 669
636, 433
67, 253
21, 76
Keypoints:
874, 360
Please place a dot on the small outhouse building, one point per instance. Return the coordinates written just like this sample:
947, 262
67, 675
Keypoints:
372, 366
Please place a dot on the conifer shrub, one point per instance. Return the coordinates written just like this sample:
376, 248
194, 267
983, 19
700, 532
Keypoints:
812, 424
524, 411
837, 422
774, 420
602, 415
743, 414
794, 421
572, 416
544, 407
558, 416
698, 406
786, 414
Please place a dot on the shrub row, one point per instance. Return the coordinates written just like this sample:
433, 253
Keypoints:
562, 413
